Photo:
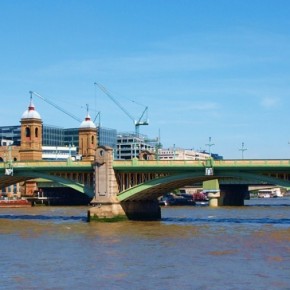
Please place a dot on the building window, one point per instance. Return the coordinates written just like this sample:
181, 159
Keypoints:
36, 132
27, 132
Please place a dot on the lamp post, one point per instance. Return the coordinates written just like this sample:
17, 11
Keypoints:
243, 149
136, 147
209, 145
173, 151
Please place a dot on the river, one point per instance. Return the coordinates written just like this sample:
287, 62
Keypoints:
190, 248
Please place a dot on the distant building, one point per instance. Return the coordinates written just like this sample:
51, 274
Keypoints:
177, 154
215, 156
129, 145
5, 142
12, 133
60, 153
181, 154
107, 137
57, 136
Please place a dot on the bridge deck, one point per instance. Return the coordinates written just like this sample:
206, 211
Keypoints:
49, 165
167, 165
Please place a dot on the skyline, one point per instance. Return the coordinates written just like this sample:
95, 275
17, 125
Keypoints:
205, 70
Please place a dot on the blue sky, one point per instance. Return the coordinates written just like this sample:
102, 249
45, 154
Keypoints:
209, 68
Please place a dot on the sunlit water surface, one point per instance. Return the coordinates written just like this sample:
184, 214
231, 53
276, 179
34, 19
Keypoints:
190, 248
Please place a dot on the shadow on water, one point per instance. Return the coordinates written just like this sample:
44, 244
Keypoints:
213, 220
226, 215
267, 205
43, 217
209, 220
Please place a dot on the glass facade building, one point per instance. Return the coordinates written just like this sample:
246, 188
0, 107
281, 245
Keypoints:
11, 133
107, 137
57, 136
71, 137
52, 136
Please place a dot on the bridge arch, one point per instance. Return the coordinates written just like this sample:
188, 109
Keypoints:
156, 187
27, 175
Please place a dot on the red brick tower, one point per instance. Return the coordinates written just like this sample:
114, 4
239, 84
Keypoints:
88, 139
31, 134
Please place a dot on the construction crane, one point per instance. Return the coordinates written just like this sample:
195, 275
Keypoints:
141, 121
55, 105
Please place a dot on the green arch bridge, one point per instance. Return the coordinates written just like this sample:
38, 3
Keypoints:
138, 183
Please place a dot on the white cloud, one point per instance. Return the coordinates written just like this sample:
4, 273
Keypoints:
270, 102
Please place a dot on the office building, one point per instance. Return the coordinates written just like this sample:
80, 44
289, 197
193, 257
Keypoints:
129, 145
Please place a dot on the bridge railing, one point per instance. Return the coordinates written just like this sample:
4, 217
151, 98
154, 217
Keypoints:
252, 162
41, 163
149, 163
202, 163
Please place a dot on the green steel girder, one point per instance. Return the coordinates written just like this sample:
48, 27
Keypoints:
154, 188
159, 186
48, 166
259, 177
20, 176
178, 166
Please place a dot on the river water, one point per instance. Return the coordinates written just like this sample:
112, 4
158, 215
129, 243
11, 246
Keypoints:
190, 248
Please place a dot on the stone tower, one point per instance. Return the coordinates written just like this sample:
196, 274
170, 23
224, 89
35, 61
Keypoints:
31, 134
88, 139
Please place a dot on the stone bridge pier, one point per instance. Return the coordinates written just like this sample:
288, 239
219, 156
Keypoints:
233, 194
225, 194
105, 204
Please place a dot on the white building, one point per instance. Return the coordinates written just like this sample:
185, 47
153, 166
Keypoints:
181, 154
129, 145
5, 142
60, 153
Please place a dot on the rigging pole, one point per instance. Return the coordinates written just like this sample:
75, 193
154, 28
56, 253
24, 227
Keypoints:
55, 106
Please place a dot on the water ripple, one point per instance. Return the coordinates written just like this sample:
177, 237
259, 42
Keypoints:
209, 220
43, 217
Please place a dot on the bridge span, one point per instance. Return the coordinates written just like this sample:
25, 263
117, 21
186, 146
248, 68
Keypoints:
77, 175
132, 187
121, 188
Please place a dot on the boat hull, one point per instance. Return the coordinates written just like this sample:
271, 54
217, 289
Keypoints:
15, 203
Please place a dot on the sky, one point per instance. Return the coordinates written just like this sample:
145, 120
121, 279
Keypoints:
205, 69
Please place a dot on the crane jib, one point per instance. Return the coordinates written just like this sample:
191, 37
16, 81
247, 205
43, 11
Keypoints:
137, 123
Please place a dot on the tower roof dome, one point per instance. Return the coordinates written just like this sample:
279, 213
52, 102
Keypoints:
31, 113
87, 123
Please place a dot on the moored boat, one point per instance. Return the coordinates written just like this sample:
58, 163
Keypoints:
172, 199
268, 193
14, 203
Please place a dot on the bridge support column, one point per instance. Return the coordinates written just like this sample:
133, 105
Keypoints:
145, 210
106, 212
213, 192
106, 206
234, 194
214, 199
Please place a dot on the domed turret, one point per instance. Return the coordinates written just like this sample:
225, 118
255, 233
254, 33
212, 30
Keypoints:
88, 139
31, 113
31, 134
88, 123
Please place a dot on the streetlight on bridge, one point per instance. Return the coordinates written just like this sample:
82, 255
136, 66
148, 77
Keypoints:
209, 145
243, 149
